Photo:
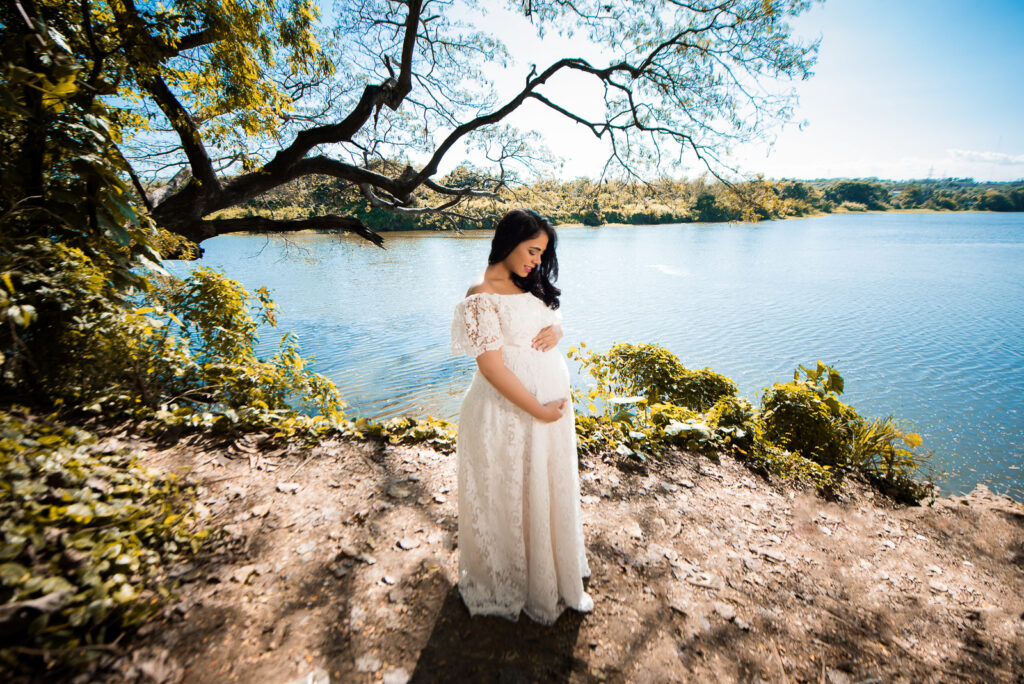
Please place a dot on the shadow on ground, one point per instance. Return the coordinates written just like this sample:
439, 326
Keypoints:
491, 649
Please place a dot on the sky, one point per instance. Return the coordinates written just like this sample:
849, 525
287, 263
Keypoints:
901, 89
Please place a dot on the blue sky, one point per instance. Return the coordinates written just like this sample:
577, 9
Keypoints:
908, 89
902, 89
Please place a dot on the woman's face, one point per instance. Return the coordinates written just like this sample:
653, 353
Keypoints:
526, 256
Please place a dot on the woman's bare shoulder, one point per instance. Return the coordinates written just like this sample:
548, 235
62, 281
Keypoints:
479, 287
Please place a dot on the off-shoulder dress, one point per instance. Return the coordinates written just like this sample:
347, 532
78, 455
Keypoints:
520, 535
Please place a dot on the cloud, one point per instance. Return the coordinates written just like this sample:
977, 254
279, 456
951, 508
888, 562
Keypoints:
988, 157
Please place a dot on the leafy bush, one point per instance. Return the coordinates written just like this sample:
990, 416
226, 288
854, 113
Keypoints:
86, 536
993, 200
92, 323
871, 195
83, 343
663, 414
185, 357
889, 456
945, 202
591, 434
803, 431
706, 208
737, 420
806, 416
220, 318
853, 206
694, 434
654, 372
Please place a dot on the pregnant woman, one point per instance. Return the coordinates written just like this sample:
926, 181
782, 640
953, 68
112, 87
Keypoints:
520, 534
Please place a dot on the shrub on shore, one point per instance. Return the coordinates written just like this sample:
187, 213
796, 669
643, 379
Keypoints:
644, 400
86, 539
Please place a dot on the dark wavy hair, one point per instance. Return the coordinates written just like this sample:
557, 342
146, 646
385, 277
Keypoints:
516, 226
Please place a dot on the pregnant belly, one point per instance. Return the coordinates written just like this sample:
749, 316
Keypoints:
543, 374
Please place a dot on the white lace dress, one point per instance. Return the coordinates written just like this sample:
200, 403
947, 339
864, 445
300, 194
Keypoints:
520, 534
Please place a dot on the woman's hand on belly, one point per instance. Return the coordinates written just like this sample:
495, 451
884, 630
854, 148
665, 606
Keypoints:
553, 410
547, 338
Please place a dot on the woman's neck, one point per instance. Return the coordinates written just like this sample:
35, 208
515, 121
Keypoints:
499, 278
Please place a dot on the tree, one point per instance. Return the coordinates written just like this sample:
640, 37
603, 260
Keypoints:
796, 190
216, 103
913, 196
993, 200
708, 209
871, 195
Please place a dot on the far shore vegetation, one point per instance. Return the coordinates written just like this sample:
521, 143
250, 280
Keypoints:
594, 203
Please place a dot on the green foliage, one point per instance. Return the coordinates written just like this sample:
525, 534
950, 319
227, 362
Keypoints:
871, 195
90, 529
251, 51
663, 414
649, 402
944, 201
796, 190
707, 209
582, 201
438, 433
93, 324
889, 455
798, 419
738, 421
62, 176
997, 201
806, 416
594, 435
770, 459
655, 373
217, 316
186, 357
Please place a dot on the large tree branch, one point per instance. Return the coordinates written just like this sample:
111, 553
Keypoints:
404, 84
179, 117
209, 228
595, 128
430, 168
188, 132
463, 192
666, 92
391, 92
197, 39
252, 185
576, 63
277, 172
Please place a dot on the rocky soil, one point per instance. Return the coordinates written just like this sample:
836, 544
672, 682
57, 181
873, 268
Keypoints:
338, 564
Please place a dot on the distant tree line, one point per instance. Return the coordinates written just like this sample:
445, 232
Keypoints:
596, 203
946, 194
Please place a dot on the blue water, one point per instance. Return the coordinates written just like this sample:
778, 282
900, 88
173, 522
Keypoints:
923, 314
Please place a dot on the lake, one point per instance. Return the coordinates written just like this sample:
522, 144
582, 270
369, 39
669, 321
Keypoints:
922, 314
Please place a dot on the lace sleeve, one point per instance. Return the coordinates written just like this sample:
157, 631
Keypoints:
475, 327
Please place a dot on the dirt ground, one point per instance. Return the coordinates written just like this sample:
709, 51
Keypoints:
338, 564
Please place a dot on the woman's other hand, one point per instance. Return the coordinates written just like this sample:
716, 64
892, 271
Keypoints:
553, 410
547, 338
